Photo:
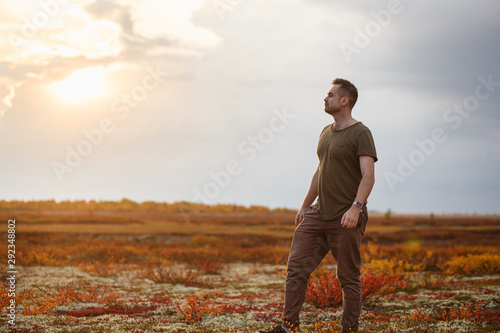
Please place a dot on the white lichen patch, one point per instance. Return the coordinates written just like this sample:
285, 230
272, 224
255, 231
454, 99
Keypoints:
251, 294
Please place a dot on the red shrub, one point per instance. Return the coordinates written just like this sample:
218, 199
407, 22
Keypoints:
381, 285
197, 306
207, 265
324, 290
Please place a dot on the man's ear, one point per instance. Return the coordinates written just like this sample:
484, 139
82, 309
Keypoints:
344, 100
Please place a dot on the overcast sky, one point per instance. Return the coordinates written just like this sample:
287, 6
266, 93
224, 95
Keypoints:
222, 101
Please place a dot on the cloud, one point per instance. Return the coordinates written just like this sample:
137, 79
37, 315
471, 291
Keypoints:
49, 43
9, 87
107, 9
8, 99
233, 72
135, 46
437, 50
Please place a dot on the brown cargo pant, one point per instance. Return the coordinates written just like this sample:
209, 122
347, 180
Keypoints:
312, 241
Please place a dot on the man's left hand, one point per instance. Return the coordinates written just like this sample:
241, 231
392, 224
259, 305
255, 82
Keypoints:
351, 217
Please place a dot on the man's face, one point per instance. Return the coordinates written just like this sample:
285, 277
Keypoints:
332, 100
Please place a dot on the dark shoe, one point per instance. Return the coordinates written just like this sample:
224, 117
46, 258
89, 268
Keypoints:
280, 329
293, 327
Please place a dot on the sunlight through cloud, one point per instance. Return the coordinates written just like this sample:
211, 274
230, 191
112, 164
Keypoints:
81, 85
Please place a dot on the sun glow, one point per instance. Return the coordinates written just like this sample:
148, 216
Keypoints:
82, 85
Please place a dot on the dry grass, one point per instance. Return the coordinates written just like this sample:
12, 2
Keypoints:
429, 259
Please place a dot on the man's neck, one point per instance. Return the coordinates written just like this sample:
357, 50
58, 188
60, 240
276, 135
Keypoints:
342, 121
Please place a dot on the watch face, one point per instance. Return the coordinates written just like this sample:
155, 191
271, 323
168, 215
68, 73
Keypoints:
358, 204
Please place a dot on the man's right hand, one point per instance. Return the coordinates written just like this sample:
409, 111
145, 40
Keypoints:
300, 216
312, 194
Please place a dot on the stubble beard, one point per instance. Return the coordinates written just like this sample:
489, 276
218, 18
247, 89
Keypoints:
331, 111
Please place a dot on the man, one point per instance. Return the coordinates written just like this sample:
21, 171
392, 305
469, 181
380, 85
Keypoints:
342, 183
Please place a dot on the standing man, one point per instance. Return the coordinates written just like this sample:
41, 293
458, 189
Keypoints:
342, 183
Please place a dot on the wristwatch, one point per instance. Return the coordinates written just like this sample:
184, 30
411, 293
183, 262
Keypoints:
358, 204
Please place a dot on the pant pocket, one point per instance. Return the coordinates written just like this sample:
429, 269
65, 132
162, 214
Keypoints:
363, 220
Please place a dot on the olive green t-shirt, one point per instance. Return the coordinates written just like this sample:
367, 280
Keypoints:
339, 170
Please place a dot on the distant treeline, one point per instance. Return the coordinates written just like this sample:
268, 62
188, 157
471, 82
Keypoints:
129, 205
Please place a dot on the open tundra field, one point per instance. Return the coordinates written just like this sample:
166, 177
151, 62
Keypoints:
189, 268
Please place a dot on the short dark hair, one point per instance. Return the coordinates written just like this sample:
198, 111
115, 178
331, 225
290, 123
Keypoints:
348, 89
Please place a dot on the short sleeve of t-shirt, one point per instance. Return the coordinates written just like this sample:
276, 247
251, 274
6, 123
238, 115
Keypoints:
366, 145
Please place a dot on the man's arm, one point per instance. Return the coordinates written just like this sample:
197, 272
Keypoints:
367, 165
312, 194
